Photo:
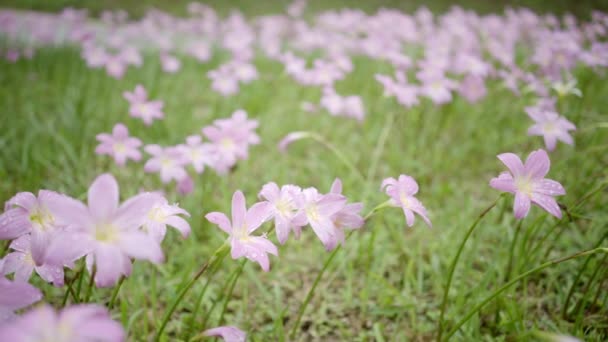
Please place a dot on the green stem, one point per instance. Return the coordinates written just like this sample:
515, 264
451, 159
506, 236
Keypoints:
578, 277
515, 280
453, 267
218, 255
318, 138
115, 293
197, 306
234, 277
310, 293
512, 250
70, 290
579, 308
377, 154
79, 285
509, 267
91, 284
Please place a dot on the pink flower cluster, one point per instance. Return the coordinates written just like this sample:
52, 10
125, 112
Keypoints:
52, 231
229, 141
291, 208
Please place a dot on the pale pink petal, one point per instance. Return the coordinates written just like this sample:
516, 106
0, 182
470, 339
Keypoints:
221, 220
537, 164
25, 200
228, 333
336, 186
139, 245
513, 162
549, 187
239, 210
548, 203
180, 224
521, 206
103, 197
257, 215
504, 182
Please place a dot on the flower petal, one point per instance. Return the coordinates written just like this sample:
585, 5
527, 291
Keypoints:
103, 197
538, 164
548, 203
512, 162
221, 220
521, 206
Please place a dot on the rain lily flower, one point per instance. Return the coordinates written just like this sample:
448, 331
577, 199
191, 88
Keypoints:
116, 65
84, 322
565, 88
26, 213
15, 295
348, 217
169, 63
244, 222
437, 87
119, 145
162, 215
319, 211
169, 161
472, 88
551, 126
402, 191
140, 107
224, 82
227, 333
112, 233
528, 183
283, 208
198, 154
21, 262
231, 138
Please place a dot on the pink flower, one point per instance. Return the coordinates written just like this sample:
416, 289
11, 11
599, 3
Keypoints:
169, 161
472, 88
27, 214
319, 211
21, 262
162, 215
15, 295
116, 66
551, 126
199, 50
227, 333
528, 183
244, 222
111, 232
402, 191
198, 153
282, 207
169, 63
437, 87
140, 107
224, 82
85, 322
231, 139
119, 145
348, 217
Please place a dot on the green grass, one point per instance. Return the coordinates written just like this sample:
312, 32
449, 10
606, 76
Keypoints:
388, 281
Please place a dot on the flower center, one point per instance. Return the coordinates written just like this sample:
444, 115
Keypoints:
312, 212
283, 207
157, 215
227, 143
143, 108
119, 148
106, 233
549, 127
41, 218
524, 185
